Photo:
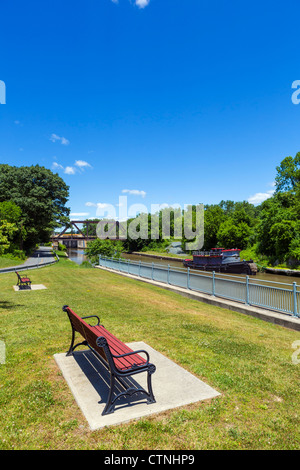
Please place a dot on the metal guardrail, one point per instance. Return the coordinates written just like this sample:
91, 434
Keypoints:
281, 297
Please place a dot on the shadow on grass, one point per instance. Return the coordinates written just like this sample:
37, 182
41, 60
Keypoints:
9, 305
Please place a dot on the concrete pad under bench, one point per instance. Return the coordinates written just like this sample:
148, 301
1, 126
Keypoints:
88, 380
33, 287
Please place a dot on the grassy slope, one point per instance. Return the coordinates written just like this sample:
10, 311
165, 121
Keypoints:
247, 360
8, 262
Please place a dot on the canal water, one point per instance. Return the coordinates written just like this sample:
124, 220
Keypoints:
78, 256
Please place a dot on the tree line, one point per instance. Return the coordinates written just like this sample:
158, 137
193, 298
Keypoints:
269, 232
33, 203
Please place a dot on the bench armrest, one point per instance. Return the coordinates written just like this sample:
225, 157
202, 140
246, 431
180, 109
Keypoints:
131, 353
92, 316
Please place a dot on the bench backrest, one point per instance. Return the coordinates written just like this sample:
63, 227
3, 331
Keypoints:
117, 347
21, 278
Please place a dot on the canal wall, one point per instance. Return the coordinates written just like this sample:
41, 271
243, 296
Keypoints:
283, 272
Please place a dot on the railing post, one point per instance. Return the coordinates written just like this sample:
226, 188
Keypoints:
213, 283
247, 290
188, 277
128, 267
99, 260
295, 299
140, 268
152, 271
168, 274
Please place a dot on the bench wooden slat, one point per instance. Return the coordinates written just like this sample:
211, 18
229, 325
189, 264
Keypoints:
117, 348
91, 333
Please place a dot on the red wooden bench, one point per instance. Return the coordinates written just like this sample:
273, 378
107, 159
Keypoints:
23, 282
118, 358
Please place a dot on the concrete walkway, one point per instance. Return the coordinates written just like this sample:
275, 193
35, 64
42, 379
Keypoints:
41, 257
282, 319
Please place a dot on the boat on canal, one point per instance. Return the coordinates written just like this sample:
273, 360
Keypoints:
221, 260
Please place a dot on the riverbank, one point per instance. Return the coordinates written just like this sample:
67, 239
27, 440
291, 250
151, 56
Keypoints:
282, 271
159, 256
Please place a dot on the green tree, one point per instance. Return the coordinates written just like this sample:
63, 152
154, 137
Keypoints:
288, 174
92, 228
227, 207
232, 235
227, 234
7, 230
213, 217
278, 226
282, 233
40, 194
11, 213
108, 248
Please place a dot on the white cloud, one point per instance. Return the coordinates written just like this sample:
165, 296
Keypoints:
258, 198
139, 3
63, 140
79, 214
99, 205
69, 170
57, 166
82, 164
142, 3
134, 192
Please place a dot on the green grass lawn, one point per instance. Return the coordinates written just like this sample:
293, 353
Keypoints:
247, 360
6, 262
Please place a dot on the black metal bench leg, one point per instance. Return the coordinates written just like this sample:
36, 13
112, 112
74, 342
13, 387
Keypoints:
70, 352
72, 347
109, 407
151, 371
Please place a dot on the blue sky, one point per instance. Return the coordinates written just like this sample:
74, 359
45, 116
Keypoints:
174, 101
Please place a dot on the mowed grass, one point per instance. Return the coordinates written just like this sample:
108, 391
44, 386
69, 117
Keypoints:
8, 262
247, 360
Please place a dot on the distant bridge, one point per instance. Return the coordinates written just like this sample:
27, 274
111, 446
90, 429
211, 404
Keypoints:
79, 240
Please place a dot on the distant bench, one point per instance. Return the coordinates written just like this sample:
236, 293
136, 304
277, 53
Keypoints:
23, 282
117, 357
